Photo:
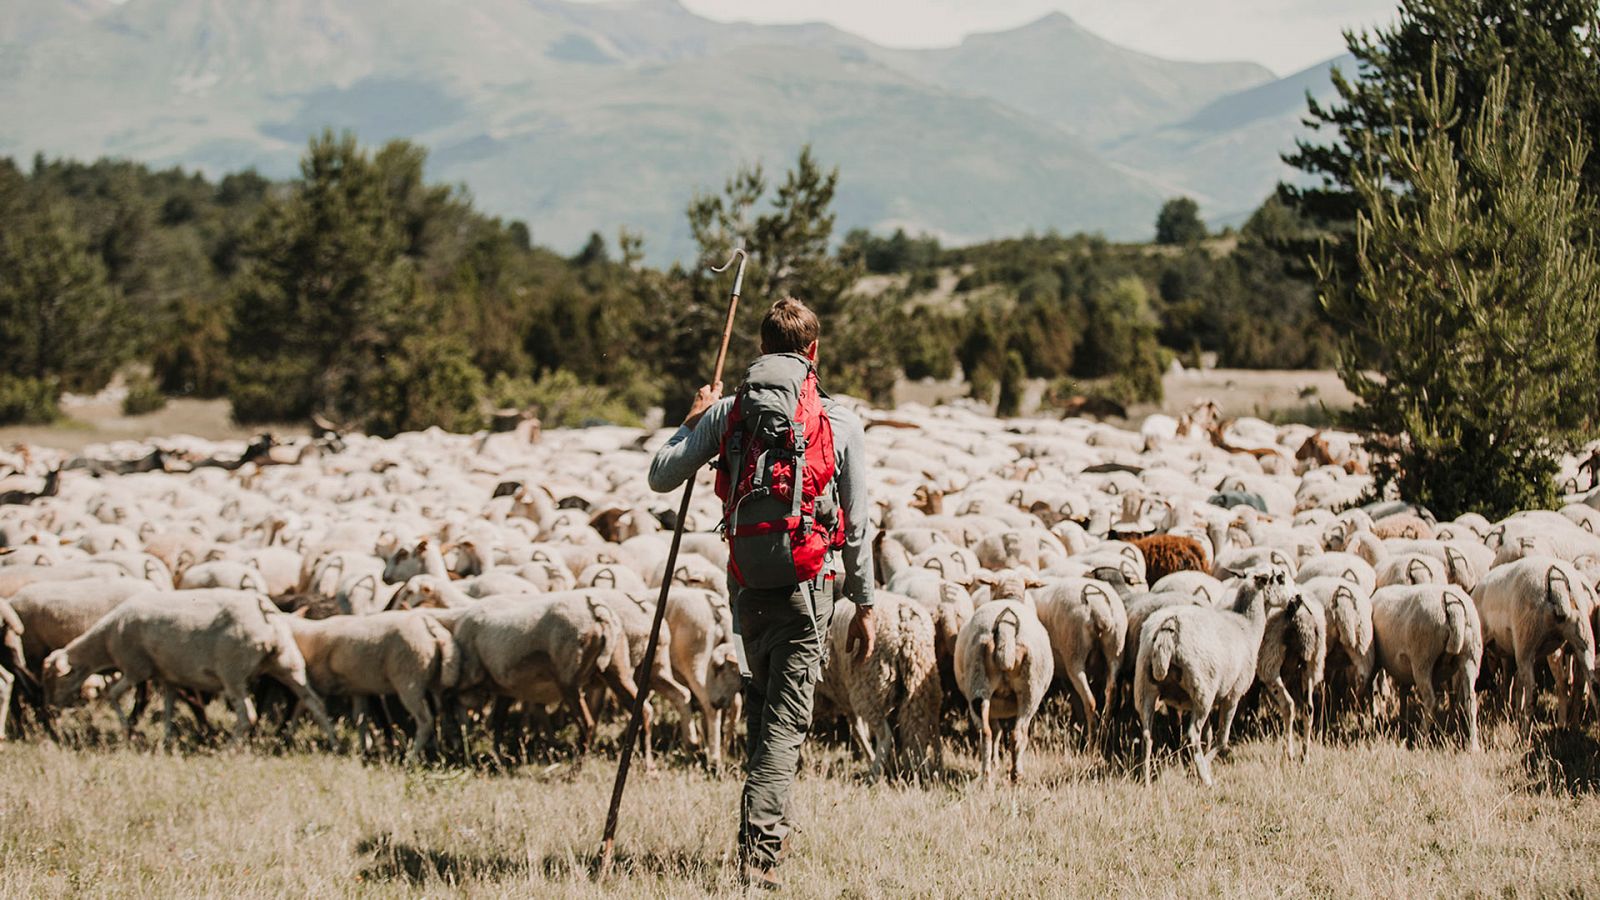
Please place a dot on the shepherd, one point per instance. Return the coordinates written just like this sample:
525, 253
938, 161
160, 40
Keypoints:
792, 478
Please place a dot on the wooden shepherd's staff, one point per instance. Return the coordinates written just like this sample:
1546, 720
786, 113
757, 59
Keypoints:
631, 737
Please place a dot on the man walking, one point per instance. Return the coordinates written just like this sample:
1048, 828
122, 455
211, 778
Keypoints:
792, 476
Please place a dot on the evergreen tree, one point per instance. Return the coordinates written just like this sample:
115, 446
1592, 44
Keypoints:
58, 315
331, 289
1179, 222
1550, 47
1481, 288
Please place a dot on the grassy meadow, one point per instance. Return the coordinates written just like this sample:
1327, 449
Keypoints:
1369, 818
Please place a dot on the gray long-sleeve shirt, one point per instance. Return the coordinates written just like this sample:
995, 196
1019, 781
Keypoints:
689, 449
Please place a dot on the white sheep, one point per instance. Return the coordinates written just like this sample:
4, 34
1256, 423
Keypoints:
1198, 659
1428, 636
209, 640
1291, 661
12, 663
1003, 667
407, 654
542, 649
1351, 660
891, 697
1088, 627
1531, 608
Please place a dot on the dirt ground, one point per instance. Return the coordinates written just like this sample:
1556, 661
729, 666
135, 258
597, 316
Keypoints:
1285, 395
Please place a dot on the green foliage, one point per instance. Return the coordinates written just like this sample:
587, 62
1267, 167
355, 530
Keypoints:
898, 252
430, 382
1179, 222
1481, 289
58, 314
144, 396
1121, 340
562, 401
319, 294
28, 401
1550, 47
1013, 382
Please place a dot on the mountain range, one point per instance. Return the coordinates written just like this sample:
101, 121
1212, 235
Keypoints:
581, 117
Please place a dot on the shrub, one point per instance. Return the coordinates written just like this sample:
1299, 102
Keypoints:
430, 382
144, 396
28, 401
562, 401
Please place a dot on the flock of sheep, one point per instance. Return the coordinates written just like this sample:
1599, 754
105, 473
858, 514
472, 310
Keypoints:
489, 582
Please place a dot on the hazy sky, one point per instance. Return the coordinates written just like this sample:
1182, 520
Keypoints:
1283, 35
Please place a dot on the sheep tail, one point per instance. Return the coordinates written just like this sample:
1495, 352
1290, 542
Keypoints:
597, 654
1455, 619
449, 656
1007, 625
1559, 601
1344, 603
1163, 647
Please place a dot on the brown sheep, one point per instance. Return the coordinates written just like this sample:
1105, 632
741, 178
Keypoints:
1168, 553
1403, 525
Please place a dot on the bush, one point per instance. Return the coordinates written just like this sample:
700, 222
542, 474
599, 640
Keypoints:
28, 401
144, 396
562, 401
430, 382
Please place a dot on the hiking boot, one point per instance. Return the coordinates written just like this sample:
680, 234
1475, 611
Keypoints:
762, 878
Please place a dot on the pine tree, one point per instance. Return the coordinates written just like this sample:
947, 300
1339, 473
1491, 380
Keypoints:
1550, 47
59, 318
1481, 289
1179, 222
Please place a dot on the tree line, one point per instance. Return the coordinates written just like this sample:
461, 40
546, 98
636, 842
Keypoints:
361, 292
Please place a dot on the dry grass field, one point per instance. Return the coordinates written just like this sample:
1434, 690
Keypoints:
1370, 818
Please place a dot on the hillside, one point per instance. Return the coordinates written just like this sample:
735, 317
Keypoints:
1216, 153
586, 117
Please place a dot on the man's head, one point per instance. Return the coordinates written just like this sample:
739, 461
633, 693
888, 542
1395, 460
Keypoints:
790, 327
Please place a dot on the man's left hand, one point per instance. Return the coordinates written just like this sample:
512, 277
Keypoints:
863, 634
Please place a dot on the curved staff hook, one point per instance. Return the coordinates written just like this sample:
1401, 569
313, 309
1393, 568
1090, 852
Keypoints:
631, 736
733, 304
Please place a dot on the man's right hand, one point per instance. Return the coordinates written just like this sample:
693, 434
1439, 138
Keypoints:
703, 398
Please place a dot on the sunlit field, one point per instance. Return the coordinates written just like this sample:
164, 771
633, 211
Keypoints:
1368, 818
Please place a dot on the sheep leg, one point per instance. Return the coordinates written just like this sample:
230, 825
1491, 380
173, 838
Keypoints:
1197, 751
1310, 691
1091, 720
1224, 736
1146, 697
113, 696
1525, 690
1466, 679
883, 746
1019, 745
169, 699
1280, 693
680, 698
1426, 698
244, 712
713, 719
308, 697
416, 703
499, 720
7, 680
980, 715
358, 715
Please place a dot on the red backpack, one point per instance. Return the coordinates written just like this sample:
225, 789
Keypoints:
780, 511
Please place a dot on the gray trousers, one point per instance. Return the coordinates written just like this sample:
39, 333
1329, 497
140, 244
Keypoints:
785, 638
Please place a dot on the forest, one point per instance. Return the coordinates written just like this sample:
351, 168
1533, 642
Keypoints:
362, 292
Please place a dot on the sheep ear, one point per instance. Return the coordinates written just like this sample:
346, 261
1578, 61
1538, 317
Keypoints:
984, 577
1034, 583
